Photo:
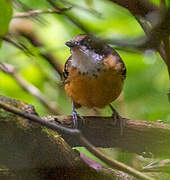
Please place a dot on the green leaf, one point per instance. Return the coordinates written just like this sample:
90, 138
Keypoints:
5, 16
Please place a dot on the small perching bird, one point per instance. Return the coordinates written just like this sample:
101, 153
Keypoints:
94, 74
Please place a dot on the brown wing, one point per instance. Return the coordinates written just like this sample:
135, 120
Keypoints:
123, 70
66, 74
66, 68
119, 59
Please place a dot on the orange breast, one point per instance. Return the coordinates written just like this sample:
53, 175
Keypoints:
91, 91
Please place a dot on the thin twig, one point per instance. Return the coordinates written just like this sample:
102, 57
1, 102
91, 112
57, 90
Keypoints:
10, 69
75, 132
35, 42
20, 46
24, 28
90, 10
74, 20
38, 12
112, 162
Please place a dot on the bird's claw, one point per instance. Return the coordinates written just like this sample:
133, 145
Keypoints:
118, 119
75, 117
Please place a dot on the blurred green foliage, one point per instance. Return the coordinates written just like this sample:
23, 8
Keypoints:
146, 86
147, 83
5, 16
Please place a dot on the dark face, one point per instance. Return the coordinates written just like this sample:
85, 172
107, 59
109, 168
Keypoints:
89, 42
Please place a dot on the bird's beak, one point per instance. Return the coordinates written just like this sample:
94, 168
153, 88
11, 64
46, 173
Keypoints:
71, 44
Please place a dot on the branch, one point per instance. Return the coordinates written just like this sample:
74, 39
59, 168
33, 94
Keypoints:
38, 12
78, 135
89, 10
70, 17
153, 37
24, 27
20, 46
141, 137
157, 36
137, 7
10, 69
29, 151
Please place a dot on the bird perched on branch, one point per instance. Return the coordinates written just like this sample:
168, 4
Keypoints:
94, 74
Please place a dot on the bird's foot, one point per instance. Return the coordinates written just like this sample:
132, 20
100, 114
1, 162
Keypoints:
118, 119
75, 117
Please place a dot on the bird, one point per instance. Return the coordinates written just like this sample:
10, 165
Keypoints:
94, 75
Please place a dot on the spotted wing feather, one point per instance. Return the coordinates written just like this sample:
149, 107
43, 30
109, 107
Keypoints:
66, 68
123, 67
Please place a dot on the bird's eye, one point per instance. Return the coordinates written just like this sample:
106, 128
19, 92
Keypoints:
76, 42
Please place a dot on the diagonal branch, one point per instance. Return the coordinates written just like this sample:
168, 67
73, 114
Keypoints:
10, 69
37, 12
24, 27
137, 7
70, 17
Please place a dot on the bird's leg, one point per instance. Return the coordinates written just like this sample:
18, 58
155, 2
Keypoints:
117, 119
75, 116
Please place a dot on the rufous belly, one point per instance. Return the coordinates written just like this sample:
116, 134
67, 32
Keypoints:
94, 91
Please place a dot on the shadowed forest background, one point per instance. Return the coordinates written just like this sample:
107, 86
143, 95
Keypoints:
145, 93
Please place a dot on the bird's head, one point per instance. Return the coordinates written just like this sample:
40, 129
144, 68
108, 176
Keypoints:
87, 52
87, 44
